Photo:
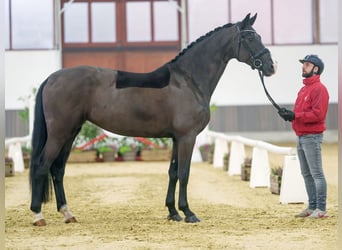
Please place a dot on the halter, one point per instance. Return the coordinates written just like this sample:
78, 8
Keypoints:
256, 62
254, 57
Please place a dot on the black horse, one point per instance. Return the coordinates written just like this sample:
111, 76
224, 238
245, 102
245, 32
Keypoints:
172, 101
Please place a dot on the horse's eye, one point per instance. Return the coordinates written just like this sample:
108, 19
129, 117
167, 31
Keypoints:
251, 37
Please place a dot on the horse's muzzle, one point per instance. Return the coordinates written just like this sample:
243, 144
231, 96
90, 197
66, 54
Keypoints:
269, 68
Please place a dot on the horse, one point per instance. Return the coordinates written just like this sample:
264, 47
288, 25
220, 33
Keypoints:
172, 101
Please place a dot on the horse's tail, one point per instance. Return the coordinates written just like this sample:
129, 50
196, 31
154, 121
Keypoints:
39, 137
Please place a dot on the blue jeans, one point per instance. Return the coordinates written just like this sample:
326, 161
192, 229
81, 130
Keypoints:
310, 159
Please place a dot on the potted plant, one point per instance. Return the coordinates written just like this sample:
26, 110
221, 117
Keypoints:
26, 151
127, 149
155, 149
24, 114
107, 153
275, 179
106, 149
205, 150
226, 162
9, 167
89, 131
246, 169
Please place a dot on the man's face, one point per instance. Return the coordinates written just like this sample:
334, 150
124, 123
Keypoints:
309, 69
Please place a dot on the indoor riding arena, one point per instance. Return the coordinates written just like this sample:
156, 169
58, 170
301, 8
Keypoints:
120, 205
168, 124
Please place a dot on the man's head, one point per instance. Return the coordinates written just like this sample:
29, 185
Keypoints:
312, 64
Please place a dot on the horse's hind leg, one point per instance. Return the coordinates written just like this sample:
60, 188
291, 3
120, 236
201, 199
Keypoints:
40, 181
57, 173
40, 191
173, 177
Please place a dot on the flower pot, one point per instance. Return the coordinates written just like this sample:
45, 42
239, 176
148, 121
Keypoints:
108, 156
275, 181
27, 160
82, 156
226, 162
155, 154
129, 156
246, 169
9, 167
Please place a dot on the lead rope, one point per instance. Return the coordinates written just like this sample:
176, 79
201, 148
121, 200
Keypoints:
261, 75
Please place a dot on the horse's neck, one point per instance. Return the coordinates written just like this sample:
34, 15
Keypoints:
205, 63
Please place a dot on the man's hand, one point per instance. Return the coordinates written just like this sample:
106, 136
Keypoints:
286, 114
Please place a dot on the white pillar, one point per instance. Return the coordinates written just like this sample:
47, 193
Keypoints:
236, 158
221, 148
14, 151
260, 169
292, 188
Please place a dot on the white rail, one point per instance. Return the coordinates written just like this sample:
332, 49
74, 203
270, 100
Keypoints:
14, 151
292, 186
254, 143
21, 140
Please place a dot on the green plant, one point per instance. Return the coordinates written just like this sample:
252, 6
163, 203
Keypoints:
124, 149
213, 108
277, 171
24, 114
105, 149
88, 132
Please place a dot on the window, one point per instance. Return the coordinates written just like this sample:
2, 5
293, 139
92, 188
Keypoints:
103, 22
293, 25
152, 21
93, 23
263, 24
278, 22
328, 21
203, 17
112, 23
29, 29
76, 23
138, 16
7, 26
165, 18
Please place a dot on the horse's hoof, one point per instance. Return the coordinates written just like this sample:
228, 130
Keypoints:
191, 219
175, 217
71, 220
39, 223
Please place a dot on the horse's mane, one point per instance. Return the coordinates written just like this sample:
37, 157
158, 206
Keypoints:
201, 38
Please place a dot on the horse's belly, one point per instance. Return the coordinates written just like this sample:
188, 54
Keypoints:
134, 122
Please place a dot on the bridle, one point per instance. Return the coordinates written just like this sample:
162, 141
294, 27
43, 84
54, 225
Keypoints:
256, 62
254, 57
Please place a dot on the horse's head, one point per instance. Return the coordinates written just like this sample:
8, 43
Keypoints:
250, 48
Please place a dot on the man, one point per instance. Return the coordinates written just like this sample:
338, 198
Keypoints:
308, 122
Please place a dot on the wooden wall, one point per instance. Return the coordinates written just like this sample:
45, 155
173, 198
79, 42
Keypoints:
227, 119
134, 60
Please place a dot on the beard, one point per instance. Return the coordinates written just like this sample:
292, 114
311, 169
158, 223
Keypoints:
306, 75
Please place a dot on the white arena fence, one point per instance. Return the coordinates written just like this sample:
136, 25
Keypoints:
292, 187
14, 146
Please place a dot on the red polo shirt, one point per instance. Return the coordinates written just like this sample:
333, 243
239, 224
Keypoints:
311, 107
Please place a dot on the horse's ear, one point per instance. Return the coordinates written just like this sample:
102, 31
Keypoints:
252, 20
245, 22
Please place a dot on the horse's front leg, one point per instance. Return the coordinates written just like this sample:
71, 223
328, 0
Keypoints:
173, 177
185, 147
